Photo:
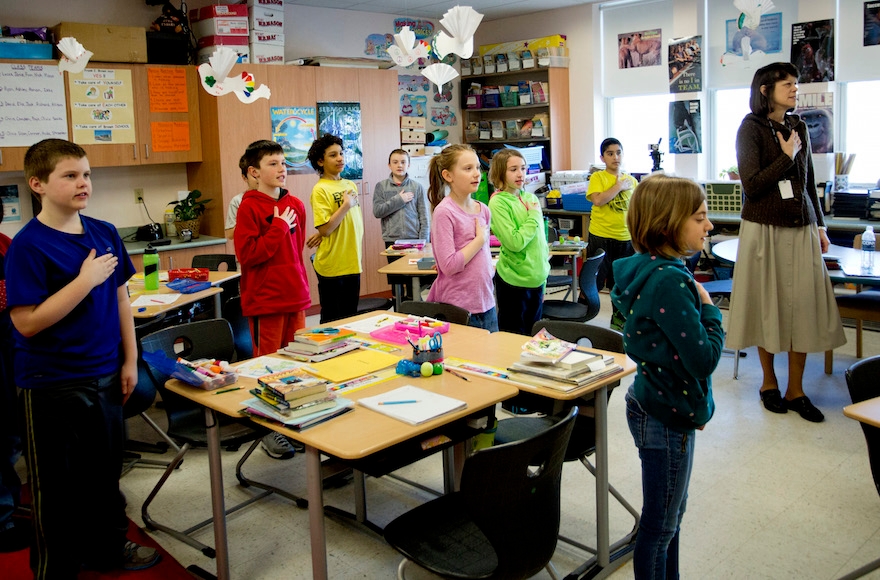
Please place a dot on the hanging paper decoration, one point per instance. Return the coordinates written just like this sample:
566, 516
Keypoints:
406, 50
751, 11
439, 74
74, 56
216, 82
461, 22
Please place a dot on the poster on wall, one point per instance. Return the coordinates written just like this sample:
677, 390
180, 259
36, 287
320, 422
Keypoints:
102, 106
32, 104
872, 24
11, 203
812, 50
817, 111
344, 121
413, 105
642, 48
685, 127
443, 116
294, 128
413, 83
685, 65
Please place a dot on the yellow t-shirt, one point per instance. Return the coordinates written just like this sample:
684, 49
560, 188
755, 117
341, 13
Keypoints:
609, 220
339, 253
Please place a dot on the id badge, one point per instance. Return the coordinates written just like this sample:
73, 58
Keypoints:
785, 189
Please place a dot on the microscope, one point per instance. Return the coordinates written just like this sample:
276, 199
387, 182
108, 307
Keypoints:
654, 148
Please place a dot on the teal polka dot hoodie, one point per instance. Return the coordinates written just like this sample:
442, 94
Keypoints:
674, 339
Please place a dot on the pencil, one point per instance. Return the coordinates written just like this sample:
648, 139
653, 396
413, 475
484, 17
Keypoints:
227, 390
398, 402
455, 374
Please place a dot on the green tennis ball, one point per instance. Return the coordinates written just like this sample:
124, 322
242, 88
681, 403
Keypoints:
438, 369
427, 369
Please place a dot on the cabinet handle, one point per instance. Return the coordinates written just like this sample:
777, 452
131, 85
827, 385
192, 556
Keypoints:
1, 157
147, 150
170, 263
134, 150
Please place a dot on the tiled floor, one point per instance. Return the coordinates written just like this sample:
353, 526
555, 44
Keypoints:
772, 496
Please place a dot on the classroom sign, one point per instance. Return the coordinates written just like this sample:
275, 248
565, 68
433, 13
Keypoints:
102, 106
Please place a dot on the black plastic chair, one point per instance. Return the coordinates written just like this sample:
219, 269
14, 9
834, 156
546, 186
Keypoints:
369, 304
137, 405
576, 311
559, 263
186, 420
583, 439
861, 380
504, 521
214, 261
438, 310
719, 289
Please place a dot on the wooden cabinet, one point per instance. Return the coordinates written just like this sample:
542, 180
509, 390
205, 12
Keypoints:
169, 259
184, 124
556, 143
228, 126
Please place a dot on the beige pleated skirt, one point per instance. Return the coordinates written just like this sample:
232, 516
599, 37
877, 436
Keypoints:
782, 299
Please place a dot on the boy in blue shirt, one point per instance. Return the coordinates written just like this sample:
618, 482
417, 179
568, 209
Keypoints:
75, 361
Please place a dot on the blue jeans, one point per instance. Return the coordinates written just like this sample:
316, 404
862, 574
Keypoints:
667, 460
487, 320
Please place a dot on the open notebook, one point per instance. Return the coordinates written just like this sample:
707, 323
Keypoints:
412, 404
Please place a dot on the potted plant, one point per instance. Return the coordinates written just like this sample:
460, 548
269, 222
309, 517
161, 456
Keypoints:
731, 173
188, 212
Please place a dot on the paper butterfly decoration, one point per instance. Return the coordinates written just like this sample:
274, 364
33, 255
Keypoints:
74, 56
439, 74
461, 22
751, 11
406, 50
216, 82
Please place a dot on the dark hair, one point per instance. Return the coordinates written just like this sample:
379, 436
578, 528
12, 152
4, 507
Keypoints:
445, 160
41, 158
259, 149
243, 165
319, 147
768, 76
399, 152
608, 143
498, 169
660, 206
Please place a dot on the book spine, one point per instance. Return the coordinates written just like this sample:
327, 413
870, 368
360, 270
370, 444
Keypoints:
281, 406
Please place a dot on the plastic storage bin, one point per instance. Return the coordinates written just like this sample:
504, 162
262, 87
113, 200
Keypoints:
509, 99
575, 202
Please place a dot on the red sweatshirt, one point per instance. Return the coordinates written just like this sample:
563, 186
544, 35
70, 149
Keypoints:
273, 277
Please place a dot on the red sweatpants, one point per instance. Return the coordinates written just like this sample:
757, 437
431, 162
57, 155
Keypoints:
270, 332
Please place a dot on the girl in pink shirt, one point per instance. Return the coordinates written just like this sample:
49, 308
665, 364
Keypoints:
460, 237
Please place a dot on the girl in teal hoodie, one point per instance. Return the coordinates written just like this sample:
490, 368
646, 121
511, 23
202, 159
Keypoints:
518, 224
673, 333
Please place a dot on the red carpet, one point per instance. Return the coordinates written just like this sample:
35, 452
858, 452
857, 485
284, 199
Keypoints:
15, 565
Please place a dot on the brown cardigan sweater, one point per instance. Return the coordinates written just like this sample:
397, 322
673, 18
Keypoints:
762, 164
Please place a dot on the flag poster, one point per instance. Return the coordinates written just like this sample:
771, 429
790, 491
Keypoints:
817, 111
685, 65
344, 121
812, 50
685, 127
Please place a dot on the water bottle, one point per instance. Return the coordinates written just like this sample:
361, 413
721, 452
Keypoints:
151, 268
868, 244
170, 229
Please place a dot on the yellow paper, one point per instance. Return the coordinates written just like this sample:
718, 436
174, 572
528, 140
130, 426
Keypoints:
352, 365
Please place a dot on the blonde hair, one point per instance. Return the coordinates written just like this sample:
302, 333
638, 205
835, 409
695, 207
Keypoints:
445, 161
498, 169
660, 207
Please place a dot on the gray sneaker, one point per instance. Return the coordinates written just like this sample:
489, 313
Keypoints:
137, 557
277, 446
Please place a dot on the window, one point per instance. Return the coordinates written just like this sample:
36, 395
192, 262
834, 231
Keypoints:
638, 122
859, 130
729, 108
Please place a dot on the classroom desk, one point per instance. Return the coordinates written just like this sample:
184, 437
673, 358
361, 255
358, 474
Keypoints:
375, 433
867, 412
402, 268
136, 289
850, 259
500, 349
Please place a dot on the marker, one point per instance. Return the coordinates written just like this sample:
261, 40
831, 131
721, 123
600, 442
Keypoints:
142, 309
227, 390
381, 320
157, 301
268, 368
397, 402
455, 374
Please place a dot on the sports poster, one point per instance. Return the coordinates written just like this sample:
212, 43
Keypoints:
685, 65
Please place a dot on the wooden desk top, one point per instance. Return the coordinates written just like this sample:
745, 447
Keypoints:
402, 267
867, 412
136, 289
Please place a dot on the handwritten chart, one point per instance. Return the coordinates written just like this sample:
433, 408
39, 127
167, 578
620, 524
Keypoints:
32, 106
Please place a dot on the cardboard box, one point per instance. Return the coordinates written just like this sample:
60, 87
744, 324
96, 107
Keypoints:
414, 150
264, 53
412, 136
413, 123
276, 4
209, 44
556, 41
266, 19
26, 50
218, 11
265, 37
224, 20
107, 43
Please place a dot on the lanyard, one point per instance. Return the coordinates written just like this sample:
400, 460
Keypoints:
773, 131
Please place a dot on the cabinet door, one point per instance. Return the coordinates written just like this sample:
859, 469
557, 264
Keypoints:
12, 158
167, 102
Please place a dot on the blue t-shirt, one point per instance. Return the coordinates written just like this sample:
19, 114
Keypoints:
85, 344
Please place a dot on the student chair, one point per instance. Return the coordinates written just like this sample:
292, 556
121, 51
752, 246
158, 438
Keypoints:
438, 310
215, 262
369, 304
583, 439
504, 521
244, 346
861, 380
137, 405
560, 263
718, 290
186, 420
860, 307
576, 311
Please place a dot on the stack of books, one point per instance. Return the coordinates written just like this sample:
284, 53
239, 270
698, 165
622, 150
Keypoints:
294, 398
320, 344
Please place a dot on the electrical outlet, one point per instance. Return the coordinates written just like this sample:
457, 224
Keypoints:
138, 195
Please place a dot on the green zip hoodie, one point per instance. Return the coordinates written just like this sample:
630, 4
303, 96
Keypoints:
524, 252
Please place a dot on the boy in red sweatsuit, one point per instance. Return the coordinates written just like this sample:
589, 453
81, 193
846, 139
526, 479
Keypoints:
269, 239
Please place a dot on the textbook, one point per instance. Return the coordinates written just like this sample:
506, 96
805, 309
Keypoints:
544, 347
294, 410
539, 377
322, 336
412, 405
294, 351
292, 383
258, 408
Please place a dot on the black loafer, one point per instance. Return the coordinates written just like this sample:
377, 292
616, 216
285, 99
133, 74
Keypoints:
803, 407
772, 400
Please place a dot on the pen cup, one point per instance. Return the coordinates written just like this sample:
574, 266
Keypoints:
420, 356
841, 182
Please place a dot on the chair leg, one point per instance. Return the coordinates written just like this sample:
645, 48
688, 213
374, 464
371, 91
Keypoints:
829, 362
171, 442
870, 567
859, 325
736, 365
268, 489
551, 569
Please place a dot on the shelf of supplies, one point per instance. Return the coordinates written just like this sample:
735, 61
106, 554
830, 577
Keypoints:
533, 106
502, 141
508, 73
